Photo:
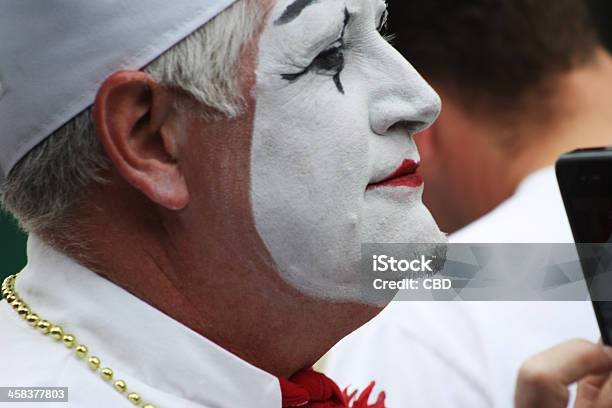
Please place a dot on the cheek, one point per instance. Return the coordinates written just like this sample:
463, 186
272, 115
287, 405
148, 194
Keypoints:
306, 152
315, 137
217, 168
309, 172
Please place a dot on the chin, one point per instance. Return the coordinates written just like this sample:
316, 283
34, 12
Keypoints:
338, 278
400, 222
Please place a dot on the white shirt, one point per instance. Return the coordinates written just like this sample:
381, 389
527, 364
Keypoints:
167, 363
535, 213
467, 354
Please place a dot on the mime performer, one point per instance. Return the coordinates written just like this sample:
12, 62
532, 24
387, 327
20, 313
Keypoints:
196, 179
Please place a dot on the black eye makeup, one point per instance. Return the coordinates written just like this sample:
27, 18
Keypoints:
330, 62
382, 23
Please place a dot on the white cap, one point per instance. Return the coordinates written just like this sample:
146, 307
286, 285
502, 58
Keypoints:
54, 54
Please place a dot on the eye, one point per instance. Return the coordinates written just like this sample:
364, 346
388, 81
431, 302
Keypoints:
329, 62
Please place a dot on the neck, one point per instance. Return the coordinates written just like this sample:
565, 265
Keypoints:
582, 117
233, 299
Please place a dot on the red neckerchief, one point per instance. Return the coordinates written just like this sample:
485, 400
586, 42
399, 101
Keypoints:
309, 389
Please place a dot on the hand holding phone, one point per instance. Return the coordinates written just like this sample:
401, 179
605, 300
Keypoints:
585, 180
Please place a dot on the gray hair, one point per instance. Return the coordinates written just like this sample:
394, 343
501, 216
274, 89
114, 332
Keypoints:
51, 179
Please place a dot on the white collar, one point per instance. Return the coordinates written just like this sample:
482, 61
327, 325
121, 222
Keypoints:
137, 340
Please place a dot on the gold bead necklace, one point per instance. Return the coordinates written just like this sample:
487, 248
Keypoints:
57, 333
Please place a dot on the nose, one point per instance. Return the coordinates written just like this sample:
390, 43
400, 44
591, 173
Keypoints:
400, 96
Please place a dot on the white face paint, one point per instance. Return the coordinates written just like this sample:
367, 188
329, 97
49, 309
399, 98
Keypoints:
336, 110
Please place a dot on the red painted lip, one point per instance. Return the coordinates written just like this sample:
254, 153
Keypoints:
404, 176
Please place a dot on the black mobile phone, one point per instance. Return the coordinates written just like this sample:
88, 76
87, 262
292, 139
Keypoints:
585, 180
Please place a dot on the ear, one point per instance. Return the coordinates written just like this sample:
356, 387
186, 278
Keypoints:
133, 115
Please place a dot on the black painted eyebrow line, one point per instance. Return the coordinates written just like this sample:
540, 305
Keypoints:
293, 11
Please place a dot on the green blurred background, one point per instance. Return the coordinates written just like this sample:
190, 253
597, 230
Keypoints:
12, 246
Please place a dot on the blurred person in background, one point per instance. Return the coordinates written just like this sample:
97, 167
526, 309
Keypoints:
602, 13
522, 81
